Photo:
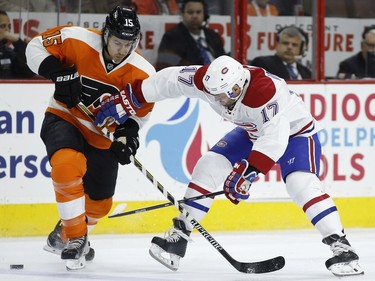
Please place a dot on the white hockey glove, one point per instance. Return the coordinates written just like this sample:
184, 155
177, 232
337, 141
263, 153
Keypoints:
237, 184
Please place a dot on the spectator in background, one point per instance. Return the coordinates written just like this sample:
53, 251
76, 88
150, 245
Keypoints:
261, 8
9, 6
362, 64
94, 6
87, 6
216, 7
156, 7
291, 7
190, 42
12, 52
30, 5
41, 5
291, 45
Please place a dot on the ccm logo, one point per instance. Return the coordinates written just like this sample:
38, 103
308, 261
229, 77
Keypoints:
67, 77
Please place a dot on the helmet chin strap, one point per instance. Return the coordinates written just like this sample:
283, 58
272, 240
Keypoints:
110, 58
105, 47
230, 107
235, 99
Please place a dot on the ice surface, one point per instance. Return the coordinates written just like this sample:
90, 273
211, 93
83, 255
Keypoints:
125, 257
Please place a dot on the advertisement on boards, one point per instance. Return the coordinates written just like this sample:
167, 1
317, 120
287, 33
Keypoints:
178, 133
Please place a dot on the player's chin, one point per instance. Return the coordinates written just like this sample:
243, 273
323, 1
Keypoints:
118, 59
227, 103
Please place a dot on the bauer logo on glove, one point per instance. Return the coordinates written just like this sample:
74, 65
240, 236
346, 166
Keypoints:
66, 78
68, 88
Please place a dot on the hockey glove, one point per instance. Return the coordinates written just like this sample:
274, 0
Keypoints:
126, 141
68, 88
118, 107
237, 184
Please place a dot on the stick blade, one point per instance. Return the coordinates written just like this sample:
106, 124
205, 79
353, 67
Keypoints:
118, 210
265, 266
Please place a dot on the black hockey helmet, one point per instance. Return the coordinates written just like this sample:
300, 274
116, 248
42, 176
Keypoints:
123, 23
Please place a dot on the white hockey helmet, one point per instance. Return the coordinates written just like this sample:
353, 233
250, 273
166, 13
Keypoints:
222, 74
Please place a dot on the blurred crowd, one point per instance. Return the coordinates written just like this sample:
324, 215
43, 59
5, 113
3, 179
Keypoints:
203, 44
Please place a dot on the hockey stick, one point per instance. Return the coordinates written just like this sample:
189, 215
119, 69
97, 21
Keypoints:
245, 267
150, 208
86, 111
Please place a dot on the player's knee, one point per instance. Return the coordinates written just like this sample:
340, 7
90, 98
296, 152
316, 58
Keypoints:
68, 166
303, 186
211, 169
96, 209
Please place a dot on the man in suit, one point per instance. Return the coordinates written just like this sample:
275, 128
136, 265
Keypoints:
291, 45
190, 42
362, 64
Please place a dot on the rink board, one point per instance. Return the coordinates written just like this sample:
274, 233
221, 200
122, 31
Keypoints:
177, 134
39, 219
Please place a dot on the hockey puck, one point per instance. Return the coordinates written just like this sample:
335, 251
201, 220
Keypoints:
16, 266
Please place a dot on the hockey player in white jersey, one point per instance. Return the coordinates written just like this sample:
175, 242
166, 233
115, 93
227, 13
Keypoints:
273, 126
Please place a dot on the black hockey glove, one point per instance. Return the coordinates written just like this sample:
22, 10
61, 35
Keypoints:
126, 141
68, 88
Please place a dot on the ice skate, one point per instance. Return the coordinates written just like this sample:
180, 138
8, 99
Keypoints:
345, 262
74, 253
56, 243
170, 249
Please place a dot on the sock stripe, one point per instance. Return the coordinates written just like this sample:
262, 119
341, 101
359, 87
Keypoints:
314, 201
199, 189
317, 218
197, 206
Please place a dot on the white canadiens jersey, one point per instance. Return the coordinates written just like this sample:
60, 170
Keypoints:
267, 109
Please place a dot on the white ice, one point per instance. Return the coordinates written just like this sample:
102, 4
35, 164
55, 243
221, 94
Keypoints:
125, 257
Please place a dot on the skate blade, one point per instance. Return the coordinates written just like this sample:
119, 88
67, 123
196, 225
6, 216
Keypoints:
172, 262
346, 269
52, 250
89, 256
76, 264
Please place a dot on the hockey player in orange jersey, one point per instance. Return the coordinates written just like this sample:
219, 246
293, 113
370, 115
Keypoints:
88, 66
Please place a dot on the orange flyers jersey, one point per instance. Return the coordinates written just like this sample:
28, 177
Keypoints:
82, 47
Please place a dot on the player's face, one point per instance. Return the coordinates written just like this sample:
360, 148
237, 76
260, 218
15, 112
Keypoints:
118, 48
288, 48
227, 101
